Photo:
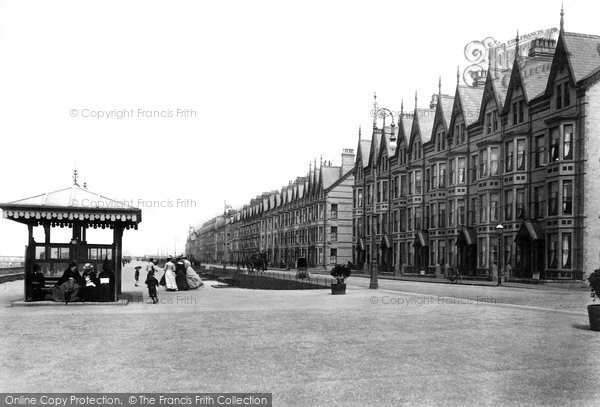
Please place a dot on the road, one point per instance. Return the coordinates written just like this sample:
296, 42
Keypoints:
403, 344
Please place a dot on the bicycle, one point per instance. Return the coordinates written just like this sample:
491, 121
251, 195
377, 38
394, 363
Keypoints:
454, 276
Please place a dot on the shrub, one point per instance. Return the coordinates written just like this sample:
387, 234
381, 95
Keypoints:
340, 273
594, 280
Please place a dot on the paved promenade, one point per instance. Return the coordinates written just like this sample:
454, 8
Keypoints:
406, 343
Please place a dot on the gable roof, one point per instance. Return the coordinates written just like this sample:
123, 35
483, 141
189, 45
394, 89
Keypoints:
469, 101
584, 53
329, 176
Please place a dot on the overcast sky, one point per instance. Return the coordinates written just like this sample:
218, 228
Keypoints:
267, 86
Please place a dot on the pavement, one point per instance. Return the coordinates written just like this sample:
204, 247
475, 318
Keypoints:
407, 343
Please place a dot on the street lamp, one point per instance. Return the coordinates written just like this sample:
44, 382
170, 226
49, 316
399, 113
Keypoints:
374, 283
500, 230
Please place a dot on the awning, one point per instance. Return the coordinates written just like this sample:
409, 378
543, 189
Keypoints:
529, 231
385, 241
360, 245
466, 235
421, 239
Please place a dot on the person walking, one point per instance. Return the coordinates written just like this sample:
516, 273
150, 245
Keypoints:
152, 283
137, 275
170, 281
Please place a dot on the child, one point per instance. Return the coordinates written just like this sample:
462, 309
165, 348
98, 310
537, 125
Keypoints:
152, 283
137, 275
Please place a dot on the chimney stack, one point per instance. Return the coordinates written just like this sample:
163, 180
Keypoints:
347, 160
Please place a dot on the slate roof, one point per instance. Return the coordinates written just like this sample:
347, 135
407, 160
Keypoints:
404, 128
470, 100
584, 53
425, 118
534, 75
365, 149
329, 175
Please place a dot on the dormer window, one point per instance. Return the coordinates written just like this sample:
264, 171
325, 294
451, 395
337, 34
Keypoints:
494, 121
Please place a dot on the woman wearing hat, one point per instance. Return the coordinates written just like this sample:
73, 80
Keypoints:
68, 285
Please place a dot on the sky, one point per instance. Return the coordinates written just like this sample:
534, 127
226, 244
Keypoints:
178, 106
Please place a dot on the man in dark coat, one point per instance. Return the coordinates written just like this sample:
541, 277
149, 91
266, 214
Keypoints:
68, 273
107, 290
35, 284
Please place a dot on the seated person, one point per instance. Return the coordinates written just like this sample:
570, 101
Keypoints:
88, 289
36, 282
67, 287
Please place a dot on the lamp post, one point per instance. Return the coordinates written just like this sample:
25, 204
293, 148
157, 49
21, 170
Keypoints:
500, 230
374, 283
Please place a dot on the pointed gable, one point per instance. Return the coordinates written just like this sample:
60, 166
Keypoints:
467, 102
583, 52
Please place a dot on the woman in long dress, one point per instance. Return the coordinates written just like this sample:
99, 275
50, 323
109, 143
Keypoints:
193, 279
170, 281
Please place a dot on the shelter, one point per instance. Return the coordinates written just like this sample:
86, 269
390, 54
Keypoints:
79, 209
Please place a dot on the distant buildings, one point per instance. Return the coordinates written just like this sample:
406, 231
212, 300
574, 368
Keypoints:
502, 174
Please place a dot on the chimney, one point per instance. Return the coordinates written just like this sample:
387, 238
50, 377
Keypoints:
479, 78
542, 47
434, 100
347, 160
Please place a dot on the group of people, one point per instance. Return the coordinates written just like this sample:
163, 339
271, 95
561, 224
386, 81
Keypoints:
86, 286
178, 276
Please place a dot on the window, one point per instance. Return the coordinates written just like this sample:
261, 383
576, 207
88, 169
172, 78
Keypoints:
508, 206
377, 222
411, 181
334, 211
495, 120
539, 202
514, 112
441, 252
451, 177
396, 187
474, 163
410, 218
462, 163
434, 179
473, 211
520, 154
427, 179
568, 141
559, 96
483, 207
461, 212
553, 199
442, 214
494, 153
552, 251
566, 250
334, 233
488, 121
418, 182
403, 185
395, 221
509, 156
566, 95
567, 208
432, 252
359, 202
494, 207
462, 133
554, 139
402, 220
483, 172
378, 189
418, 216
433, 213
384, 191
333, 256
451, 212
384, 224
442, 167
540, 151
482, 252
521, 111
521, 210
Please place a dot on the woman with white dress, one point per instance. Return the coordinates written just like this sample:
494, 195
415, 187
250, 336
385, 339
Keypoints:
193, 279
170, 281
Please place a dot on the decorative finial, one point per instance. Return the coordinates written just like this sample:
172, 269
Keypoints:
321, 161
562, 18
75, 177
457, 75
517, 45
84, 184
375, 110
359, 132
415, 100
402, 107
309, 167
440, 86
